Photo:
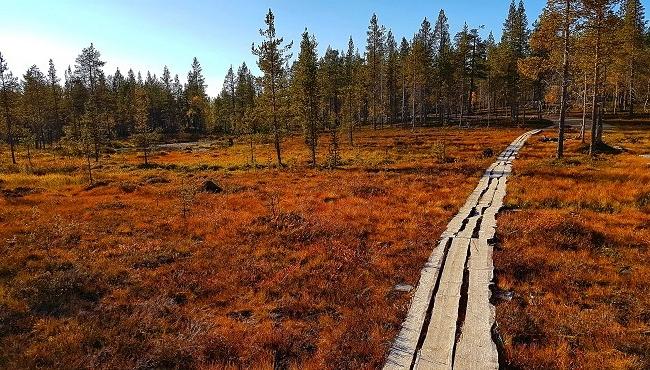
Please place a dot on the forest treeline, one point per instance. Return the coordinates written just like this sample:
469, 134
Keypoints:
588, 56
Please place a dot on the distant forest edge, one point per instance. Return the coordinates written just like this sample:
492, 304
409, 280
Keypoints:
594, 53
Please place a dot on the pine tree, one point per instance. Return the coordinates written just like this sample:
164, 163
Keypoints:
427, 39
549, 57
404, 52
632, 34
86, 137
306, 91
416, 76
597, 13
566, 35
462, 67
145, 135
477, 66
76, 96
392, 77
351, 68
88, 68
330, 78
9, 85
443, 64
272, 57
491, 66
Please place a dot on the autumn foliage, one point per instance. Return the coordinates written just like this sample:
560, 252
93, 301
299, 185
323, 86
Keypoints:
574, 250
292, 267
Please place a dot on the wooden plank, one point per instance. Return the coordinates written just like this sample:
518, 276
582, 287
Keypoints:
437, 350
475, 348
403, 349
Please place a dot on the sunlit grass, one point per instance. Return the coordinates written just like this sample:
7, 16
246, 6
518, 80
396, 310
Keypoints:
299, 262
574, 249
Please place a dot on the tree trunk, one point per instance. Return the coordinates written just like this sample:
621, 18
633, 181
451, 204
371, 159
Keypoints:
312, 135
565, 82
462, 107
584, 110
29, 155
647, 96
403, 98
599, 127
413, 97
252, 149
631, 88
10, 134
96, 144
596, 98
616, 98
90, 171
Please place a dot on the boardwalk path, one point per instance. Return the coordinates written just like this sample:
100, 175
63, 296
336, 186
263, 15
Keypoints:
450, 321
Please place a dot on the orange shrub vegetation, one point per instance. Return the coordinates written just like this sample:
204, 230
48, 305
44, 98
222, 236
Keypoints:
292, 267
574, 249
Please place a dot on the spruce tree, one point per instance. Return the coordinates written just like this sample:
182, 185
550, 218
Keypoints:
55, 124
244, 96
306, 91
168, 104
33, 109
375, 62
196, 99
404, 51
514, 43
228, 94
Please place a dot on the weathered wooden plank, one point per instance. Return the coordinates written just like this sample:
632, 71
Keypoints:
475, 348
403, 349
437, 350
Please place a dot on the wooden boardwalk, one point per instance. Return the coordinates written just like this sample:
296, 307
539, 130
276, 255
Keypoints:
449, 324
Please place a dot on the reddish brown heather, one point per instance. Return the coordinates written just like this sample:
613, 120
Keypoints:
294, 267
574, 249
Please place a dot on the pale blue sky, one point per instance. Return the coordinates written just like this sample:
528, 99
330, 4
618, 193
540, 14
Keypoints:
147, 34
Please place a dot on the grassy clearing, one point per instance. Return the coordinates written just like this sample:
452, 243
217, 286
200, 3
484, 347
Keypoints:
290, 267
574, 249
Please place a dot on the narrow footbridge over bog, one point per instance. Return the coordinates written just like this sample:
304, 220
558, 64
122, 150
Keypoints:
450, 322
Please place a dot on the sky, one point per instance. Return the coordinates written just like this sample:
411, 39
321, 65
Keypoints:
147, 34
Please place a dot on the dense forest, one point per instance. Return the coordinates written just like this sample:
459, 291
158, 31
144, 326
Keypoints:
588, 57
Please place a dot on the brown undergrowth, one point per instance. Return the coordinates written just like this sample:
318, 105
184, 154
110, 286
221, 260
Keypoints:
575, 251
294, 268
